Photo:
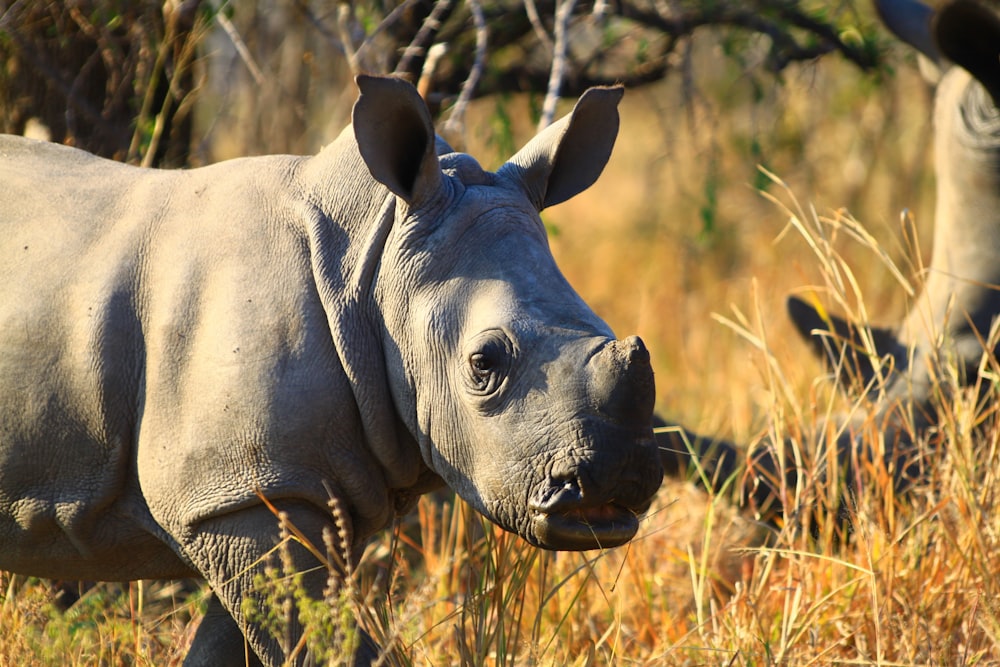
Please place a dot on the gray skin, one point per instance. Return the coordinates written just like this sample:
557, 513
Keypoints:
952, 317
363, 325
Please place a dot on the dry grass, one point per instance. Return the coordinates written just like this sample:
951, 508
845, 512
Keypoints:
140, 623
701, 274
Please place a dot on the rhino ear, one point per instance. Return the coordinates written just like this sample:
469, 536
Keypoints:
968, 35
396, 138
839, 344
569, 155
910, 21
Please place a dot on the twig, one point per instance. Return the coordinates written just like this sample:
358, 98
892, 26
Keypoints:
434, 55
416, 53
241, 47
601, 10
344, 28
536, 23
321, 28
455, 121
564, 11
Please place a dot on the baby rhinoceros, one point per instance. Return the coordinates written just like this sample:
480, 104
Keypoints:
363, 324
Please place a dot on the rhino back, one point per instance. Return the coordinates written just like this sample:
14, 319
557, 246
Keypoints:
164, 356
70, 362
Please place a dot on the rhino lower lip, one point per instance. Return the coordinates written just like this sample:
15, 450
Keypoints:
582, 528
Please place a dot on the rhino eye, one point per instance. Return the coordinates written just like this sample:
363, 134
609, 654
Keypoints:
481, 365
488, 363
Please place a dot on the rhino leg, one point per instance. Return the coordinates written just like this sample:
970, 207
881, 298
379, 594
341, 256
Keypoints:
219, 641
844, 447
760, 480
842, 347
231, 550
719, 466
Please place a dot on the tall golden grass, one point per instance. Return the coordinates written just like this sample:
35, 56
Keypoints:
701, 273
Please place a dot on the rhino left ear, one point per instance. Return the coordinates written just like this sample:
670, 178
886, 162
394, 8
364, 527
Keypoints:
396, 138
569, 155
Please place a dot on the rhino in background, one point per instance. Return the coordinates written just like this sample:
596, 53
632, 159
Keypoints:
721, 466
952, 318
364, 325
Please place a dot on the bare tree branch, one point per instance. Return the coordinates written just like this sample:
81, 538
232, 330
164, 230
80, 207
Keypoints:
536, 24
564, 11
638, 41
241, 48
546, 47
457, 118
411, 64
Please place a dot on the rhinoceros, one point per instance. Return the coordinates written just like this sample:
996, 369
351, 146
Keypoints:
949, 325
183, 351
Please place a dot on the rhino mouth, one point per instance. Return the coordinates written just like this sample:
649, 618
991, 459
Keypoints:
583, 528
562, 520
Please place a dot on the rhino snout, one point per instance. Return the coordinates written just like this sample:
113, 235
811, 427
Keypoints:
596, 502
621, 381
562, 519
592, 506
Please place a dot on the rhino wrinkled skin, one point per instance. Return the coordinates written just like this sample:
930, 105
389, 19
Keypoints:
363, 324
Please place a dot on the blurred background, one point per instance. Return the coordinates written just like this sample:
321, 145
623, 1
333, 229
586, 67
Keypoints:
681, 232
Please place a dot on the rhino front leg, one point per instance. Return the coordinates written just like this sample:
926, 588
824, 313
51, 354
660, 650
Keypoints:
680, 449
230, 551
722, 465
219, 641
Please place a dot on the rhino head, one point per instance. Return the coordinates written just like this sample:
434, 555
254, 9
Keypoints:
952, 317
518, 395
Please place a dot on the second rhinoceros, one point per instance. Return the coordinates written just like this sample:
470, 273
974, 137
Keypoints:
949, 326
362, 325
952, 325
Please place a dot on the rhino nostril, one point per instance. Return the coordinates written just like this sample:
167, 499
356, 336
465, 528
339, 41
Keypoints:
561, 492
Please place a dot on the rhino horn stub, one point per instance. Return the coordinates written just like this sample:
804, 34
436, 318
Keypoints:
396, 139
569, 155
621, 381
910, 21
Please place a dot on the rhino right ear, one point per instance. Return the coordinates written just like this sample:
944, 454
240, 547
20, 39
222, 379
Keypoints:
567, 157
968, 35
396, 138
839, 344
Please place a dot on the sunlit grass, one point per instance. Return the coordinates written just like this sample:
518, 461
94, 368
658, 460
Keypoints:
141, 623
